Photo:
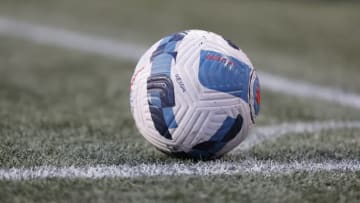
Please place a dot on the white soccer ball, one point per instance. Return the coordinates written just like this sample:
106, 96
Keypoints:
194, 94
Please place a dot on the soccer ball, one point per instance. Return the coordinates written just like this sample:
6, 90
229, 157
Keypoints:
194, 94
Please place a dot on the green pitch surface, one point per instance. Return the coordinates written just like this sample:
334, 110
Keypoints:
64, 108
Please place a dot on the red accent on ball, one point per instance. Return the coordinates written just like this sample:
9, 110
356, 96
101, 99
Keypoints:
258, 97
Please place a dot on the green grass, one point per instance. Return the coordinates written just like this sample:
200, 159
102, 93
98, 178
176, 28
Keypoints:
72, 109
294, 187
321, 146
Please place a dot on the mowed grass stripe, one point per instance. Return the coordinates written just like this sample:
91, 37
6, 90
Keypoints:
130, 51
177, 169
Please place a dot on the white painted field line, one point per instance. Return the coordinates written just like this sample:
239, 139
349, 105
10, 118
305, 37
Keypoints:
203, 168
262, 134
177, 169
129, 51
304, 89
68, 39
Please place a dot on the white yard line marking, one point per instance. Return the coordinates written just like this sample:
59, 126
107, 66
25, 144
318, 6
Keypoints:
68, 39
262, 134
129, 51
202, 168
177, 169
305, 89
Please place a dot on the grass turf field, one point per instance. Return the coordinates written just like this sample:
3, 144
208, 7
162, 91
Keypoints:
62, 107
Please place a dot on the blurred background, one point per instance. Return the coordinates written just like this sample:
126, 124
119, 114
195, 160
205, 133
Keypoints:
313, 40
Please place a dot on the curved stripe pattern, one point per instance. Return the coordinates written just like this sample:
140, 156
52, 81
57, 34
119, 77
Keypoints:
228, 131
160, 88
207, 150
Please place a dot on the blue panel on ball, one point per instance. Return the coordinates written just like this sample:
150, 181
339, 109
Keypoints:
169, 117
228, 130
160, 88
224, 74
